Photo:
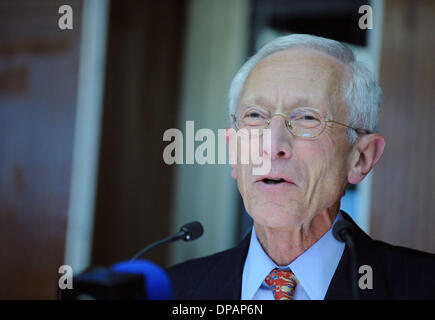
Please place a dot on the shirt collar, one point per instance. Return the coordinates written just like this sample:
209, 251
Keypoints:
314, 268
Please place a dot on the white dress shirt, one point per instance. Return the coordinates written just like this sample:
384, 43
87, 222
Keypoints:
314, 269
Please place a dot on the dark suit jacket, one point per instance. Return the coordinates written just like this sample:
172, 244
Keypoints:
398, 273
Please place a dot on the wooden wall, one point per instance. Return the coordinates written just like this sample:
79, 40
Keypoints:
403, 206
38, 83
141, 101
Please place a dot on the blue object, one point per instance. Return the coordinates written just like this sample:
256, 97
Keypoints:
157, 284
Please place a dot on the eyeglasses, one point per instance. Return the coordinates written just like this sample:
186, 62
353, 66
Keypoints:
302, 122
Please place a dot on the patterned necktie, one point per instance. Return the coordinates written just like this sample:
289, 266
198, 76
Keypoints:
283, 284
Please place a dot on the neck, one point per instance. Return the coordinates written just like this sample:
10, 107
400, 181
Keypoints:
283, 245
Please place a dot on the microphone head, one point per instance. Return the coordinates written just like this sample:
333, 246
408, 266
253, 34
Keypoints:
340, 227
192, 230
157, 284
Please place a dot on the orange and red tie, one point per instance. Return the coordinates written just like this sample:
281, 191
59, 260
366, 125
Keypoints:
283, 284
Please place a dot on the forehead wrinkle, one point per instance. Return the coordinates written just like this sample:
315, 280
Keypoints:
263, 101
336, 98
327, 69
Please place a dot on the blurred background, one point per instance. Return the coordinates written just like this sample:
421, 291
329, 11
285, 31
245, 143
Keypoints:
83, 112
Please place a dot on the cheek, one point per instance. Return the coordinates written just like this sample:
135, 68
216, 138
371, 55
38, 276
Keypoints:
324, 154
323, 167
313, 159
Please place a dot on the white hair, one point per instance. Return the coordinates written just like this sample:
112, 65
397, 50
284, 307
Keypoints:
362, 93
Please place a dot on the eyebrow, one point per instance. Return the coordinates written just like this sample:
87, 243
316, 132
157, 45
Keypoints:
264, 102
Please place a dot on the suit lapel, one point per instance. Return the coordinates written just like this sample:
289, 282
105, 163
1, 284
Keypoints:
226, 274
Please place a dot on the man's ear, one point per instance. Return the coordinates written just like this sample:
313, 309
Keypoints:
228, 132
365, 154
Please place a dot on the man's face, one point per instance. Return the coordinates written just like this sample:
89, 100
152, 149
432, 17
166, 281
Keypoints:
314, 170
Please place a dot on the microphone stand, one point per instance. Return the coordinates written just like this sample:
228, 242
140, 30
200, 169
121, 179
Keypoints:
353, 257
342, 232
188, 232
169, 239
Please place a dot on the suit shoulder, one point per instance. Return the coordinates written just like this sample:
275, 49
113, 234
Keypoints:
187, 278
217, 276
410, 271
398, 253
198, 264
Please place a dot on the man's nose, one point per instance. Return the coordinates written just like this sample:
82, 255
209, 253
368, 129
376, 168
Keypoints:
280, 144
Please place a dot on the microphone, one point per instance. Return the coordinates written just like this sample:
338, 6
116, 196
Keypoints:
138, 280
189, 232
343, 232
133, 279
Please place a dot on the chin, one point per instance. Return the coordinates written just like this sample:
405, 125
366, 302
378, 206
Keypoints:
275, 216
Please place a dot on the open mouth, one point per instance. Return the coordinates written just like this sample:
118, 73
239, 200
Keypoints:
273, 181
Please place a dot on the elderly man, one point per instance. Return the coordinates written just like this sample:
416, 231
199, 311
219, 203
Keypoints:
321, 107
